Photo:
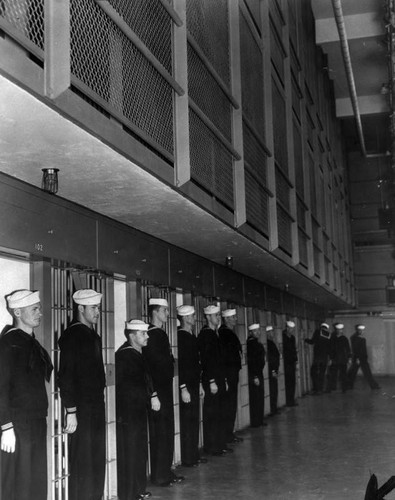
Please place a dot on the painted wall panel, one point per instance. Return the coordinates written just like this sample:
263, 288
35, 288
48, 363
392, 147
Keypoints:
189, 272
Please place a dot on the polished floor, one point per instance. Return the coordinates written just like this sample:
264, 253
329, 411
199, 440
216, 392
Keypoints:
323, 449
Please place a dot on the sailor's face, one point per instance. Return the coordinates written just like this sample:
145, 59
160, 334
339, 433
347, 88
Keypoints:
30, 316
163, 314
140, 338
91, 313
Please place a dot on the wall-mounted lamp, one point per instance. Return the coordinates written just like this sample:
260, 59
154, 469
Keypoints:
229, 261
50, 180
384, 89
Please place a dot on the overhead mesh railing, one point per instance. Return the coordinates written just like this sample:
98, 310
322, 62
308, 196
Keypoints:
109, 65
26, 17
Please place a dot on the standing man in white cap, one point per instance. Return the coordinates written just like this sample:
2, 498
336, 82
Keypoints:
213, 384
133, 396
231, 355
81, 383
161, 422
256, 356
24, 368
189, 376
340, 355
321, 340
273, 361
360, 359
290, 358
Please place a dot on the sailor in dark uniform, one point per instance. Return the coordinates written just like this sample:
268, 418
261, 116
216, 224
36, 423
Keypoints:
360, 359
160, 363
24, 368
340, 355
133, 397
214, 385
81, 382
321, 340
256, 361
231, 355
273, 362
191, 390
290, 358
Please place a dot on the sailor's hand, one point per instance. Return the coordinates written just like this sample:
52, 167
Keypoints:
213, 388
71, 423
155, 403
185, 395
8, 440
256, 381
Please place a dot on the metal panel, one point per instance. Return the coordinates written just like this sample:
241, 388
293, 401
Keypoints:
27, 17
254, 293
41, 225
274, 299
128, 252
191, 273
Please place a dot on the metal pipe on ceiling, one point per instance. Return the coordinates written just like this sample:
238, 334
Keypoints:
339, 18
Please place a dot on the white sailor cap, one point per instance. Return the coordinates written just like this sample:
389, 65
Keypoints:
211, 309
185, 310
87, 297
228, 312
22, 298
291, 324
136, 325
339, 326
269, 328
325, 325
158, 302
361, 327
254, 326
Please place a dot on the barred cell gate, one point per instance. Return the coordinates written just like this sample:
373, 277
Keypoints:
64, 281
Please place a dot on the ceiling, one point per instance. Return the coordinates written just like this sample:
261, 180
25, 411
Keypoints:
34, 136
366, 33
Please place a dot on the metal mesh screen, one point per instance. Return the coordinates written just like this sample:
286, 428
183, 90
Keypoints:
298, 159
284, 229
279, 128
310, 129
27, 17
207, 94
254, 155
302, 238
207, 22
151, 23
251, 78
257, 203
276, 52
301, 214
282, 189
317, 254
211, 162
106, 61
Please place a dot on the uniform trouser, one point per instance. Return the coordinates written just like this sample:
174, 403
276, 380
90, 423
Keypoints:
24, 472
290, 382
365, 367
338, 371
317, 373
273, 389
132, 452
257, 402
189, 428
88, 454
213, 420
230, 409
161, 431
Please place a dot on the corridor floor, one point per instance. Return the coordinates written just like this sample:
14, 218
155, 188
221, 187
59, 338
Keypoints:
325, 448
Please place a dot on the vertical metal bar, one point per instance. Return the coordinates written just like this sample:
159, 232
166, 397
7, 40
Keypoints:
182, 170
57, 47
240, 212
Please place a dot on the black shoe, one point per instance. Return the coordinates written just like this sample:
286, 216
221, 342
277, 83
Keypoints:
189, 465
178, 479
144, 496
376, 387
227, 450
202, 460
220, 453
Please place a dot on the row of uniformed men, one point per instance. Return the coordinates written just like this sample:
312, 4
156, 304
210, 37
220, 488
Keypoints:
209, 364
